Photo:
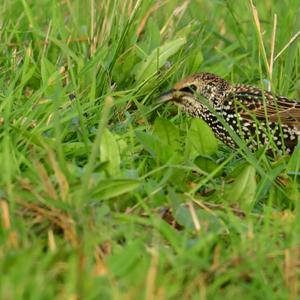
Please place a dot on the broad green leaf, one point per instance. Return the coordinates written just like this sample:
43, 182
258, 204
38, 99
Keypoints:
200, 140
157, 147
109, 151
188, 29
243, 189
48, 71
50, 76
123, 68
110, 188
292, 190
157, 59
153, 29
149, 141
167, 132
207, 164
152, 38
182, 214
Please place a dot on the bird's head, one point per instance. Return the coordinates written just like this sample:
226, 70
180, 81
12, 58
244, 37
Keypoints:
186, 92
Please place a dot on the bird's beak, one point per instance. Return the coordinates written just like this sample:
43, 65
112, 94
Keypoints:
172, 95
165, 97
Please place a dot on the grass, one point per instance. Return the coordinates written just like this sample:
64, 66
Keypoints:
104, 195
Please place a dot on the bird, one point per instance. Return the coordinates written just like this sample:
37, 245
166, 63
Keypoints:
258, 117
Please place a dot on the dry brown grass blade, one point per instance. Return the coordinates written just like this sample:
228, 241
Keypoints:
5, 215
100, 268
282, 257
291, 267
151, 277
93, 40
58, 219
272, 49
152, 9
6, 223
51, 241
193, 213
260, 36
48, 42
60, 176
178, 11
46, 181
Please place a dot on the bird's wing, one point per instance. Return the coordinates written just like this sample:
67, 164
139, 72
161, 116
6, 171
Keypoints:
253, 103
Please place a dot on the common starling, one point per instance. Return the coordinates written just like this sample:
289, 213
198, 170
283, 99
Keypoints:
259, 117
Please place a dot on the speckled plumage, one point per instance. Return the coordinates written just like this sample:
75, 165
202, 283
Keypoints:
258, 117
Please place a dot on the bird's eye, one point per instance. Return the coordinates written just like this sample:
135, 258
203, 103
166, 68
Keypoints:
190, 88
